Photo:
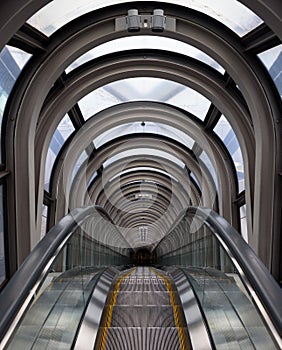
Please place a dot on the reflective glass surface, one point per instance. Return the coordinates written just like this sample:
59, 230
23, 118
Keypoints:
232, 13
52, 319
243, 219
150, 169
144, 152
144, 89
144, 127
146, 42
78, 163
205, 158
272, 59
218, 280
193, 176
2, 246
224, 130
12, 61
92, 178
63, 131
44, 220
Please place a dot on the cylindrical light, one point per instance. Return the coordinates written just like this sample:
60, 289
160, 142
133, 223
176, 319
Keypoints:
133, 21
158, 21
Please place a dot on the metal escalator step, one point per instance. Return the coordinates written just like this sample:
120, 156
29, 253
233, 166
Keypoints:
146, 338
143, 284
145, 316
144, 298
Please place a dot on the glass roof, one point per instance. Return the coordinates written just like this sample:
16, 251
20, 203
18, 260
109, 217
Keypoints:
144, 152
272, 59
12, 61
232, 13
144, 89
21, 57
205, 158
224, 130
78, 163
146, 42
63, 131
148, 127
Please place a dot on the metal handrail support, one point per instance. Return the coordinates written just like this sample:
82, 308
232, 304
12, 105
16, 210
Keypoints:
21, 289
263, 288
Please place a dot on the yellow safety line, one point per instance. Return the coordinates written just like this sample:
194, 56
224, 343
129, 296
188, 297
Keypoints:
110, 311
177, 317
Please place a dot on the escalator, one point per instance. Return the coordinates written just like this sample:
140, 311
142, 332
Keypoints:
79, 289
143, 311
52, 321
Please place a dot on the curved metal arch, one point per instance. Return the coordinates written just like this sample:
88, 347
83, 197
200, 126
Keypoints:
240, 112
256, 109
130, 184
114, 186
14, 15
134, 179
163, 200
159, 113
162, 181
148, 216
160, 163
90, 166
56, 64
176, 199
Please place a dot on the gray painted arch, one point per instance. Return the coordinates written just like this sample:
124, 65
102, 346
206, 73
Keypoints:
260, 110
134, 112
80, 183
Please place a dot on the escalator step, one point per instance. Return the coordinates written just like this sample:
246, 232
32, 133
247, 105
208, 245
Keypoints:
146, 338
144, 316
144, 298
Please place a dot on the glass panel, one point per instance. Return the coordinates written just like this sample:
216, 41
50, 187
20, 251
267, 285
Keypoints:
146, 42
12, 60
78, 163
44, 220
272, 59
144, 89
54, 317
228, 306
205, 158
243, 218
193, 176
97, 101
63, 131
146, 152
144, 127
92, 178
191, 101
2, 243
224, 130
233, 14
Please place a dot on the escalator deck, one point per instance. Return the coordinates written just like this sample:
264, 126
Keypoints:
143, 312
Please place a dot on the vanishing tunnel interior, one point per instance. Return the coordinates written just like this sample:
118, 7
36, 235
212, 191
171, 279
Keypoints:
136, 137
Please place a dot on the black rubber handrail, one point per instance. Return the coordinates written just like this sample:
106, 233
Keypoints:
256, 273
32, 270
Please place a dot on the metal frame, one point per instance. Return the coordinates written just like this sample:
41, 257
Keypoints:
205, 33
88, 331
197, 328
22, 288
130, 112
261, 286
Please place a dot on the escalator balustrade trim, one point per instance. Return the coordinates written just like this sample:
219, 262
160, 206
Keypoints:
173, 301
111, 307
